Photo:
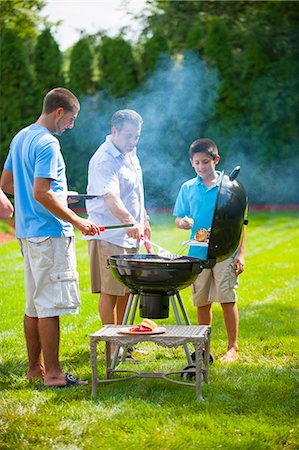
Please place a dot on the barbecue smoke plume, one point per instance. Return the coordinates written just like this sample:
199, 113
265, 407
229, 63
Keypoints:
176, 102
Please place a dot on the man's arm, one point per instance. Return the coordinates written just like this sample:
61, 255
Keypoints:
6, 208
118, 209
7, 182
44, 195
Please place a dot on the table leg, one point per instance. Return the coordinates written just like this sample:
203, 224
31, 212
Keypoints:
206, 359
179, 322
93, 357
108, 359
198, 365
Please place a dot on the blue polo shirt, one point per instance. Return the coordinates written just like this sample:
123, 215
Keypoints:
35, 153
197, 201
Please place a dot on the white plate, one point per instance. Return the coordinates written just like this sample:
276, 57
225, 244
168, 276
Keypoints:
195, 243
158, 330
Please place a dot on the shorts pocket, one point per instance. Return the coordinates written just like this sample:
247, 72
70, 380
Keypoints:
65, 289
41, 252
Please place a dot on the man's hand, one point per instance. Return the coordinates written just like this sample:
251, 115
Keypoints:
135, 232
147, 230
87, 227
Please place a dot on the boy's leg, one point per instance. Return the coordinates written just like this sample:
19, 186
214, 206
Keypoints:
36, 368
231, 320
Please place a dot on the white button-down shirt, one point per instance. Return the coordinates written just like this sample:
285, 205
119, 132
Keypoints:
109, 172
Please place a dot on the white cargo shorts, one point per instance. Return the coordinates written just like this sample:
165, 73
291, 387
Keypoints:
51, 278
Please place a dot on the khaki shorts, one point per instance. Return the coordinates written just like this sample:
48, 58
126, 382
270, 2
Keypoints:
51, 278
101, 278
215, 285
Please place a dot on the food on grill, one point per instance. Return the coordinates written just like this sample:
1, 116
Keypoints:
187, 222
201, 235
146, 326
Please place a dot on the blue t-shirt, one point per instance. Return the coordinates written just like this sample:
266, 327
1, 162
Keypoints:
35, 153
197, 201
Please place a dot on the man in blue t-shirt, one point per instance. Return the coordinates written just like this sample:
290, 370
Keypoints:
194, 209
34, 172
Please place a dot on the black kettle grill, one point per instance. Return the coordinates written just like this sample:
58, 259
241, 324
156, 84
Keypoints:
156, 279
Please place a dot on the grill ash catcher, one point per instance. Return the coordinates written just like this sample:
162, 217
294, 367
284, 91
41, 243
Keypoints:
155, 282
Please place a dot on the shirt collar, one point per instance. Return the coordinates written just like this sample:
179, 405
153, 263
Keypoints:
199, 182
113, 150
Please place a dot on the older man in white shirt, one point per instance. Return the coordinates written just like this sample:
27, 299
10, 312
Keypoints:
115, 175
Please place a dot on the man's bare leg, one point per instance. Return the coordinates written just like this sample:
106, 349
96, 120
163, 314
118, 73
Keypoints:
107, 311
121, 304
35, 367
49, 332
107, 304
231, 320
204, 315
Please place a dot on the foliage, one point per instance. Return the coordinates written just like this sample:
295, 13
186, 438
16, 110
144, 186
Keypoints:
81, 68
254, 47
117, 66
22, 17
16, 89
247, 405
245, 98
152, 50
47, 64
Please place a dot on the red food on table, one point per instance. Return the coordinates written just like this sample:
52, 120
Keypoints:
140, 329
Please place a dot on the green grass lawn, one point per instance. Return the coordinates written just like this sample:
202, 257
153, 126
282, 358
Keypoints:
251, 404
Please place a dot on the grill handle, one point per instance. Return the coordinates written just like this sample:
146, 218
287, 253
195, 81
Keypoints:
235, 172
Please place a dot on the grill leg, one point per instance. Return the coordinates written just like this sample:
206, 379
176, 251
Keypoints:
132, 304
179, 322
181, 304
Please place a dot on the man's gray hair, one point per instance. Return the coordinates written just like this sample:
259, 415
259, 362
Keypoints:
125, 115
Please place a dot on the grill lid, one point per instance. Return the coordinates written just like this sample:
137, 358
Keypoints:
230, 215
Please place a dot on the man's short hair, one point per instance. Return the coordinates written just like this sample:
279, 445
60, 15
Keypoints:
203, 146
60, 98
125, 115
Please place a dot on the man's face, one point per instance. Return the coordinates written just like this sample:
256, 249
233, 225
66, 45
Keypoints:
126, 139
65, 120
204, 165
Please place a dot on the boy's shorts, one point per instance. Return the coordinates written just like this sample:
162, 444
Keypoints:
101, 278
51, 278
215, 285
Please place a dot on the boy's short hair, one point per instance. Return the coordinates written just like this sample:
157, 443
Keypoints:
203, 146
60, 98
125, 115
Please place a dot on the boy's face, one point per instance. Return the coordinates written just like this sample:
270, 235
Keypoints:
204, 165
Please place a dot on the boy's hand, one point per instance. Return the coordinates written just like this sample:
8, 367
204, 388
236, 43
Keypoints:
186, 223
239, 264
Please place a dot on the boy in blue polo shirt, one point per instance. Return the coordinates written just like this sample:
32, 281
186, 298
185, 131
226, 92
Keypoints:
194, 209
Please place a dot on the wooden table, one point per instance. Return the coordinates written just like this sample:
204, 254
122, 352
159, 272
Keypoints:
174, 336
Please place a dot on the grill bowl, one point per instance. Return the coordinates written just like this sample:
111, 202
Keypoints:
151, 273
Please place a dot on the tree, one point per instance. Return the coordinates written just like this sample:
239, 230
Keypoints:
21, 16
47, 64
152, 50
117, 65
17, 93
81, 68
